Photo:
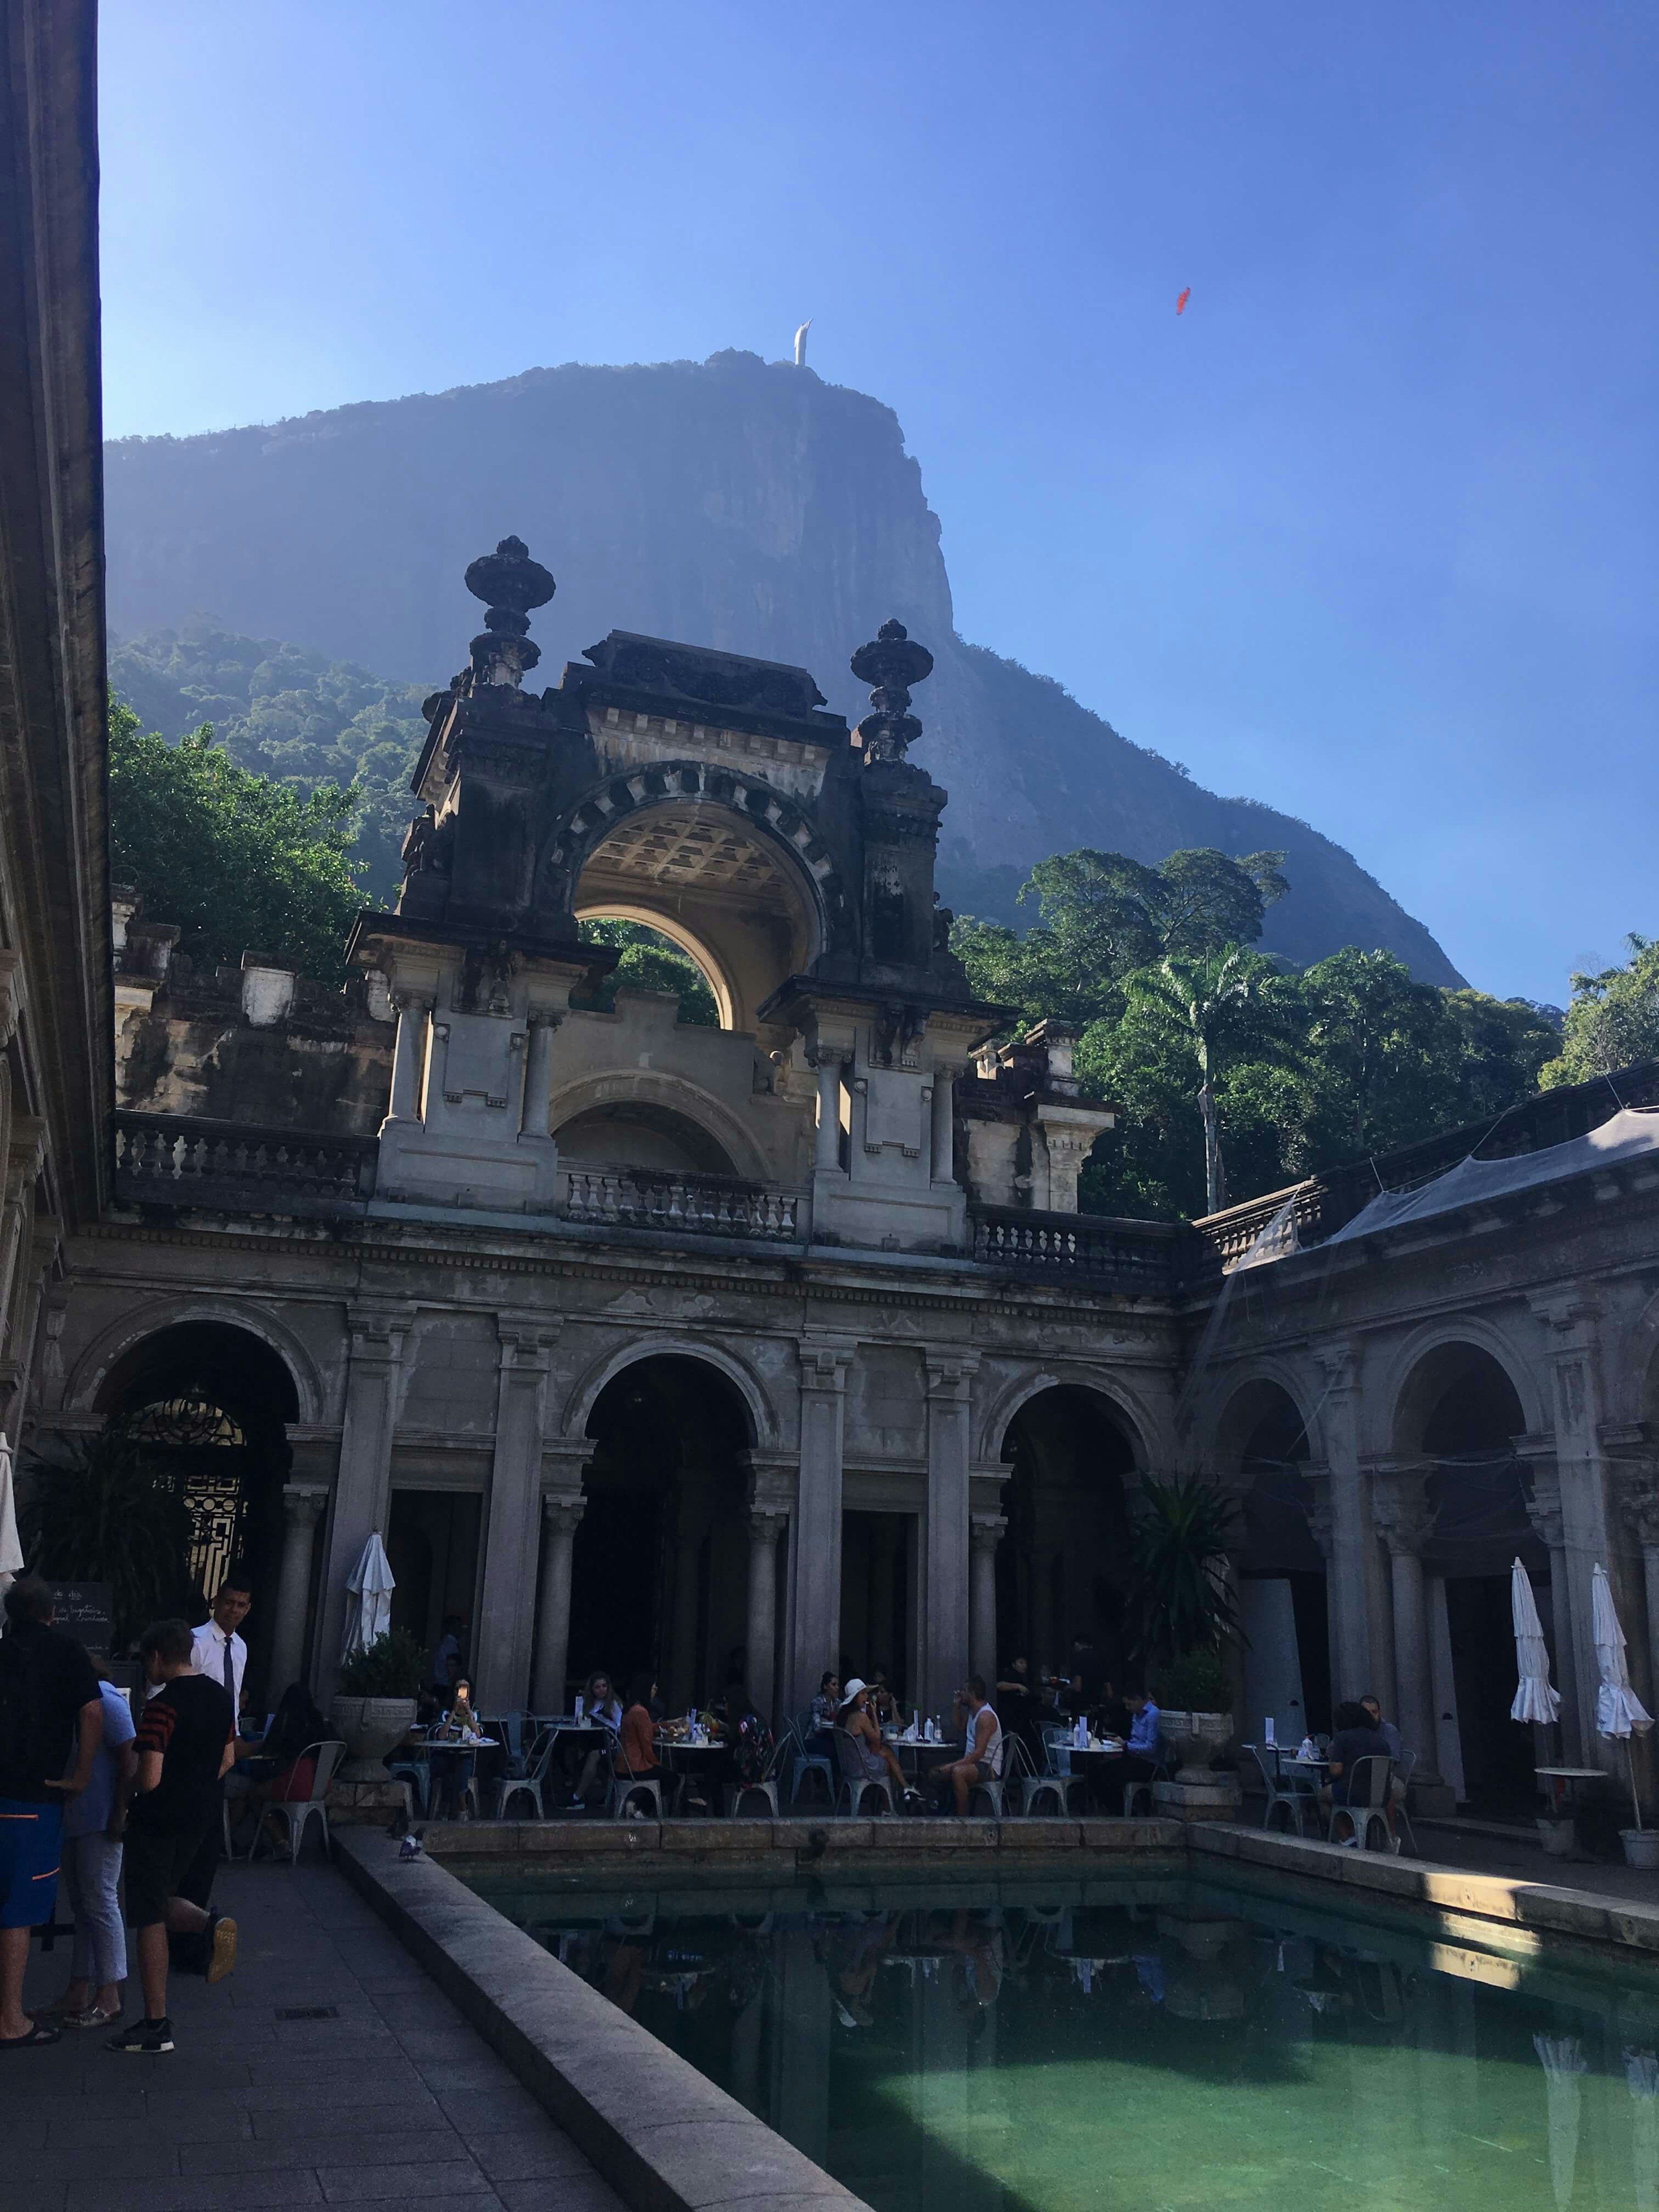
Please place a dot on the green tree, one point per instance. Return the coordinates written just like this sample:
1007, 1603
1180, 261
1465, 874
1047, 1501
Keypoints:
1383, 1054
1105, 916
651, 961
1502, 1045
1613, 1020
241, 863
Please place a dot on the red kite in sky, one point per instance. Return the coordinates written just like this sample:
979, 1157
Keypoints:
1183, 300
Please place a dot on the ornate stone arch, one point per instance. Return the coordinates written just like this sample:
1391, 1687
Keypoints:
1631, 1371
780, 821
653, 1086
1386, 1392
1140, 1425
114, 1344
585, 1392
1222, 1407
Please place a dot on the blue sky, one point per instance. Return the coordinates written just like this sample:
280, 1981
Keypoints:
1368, 533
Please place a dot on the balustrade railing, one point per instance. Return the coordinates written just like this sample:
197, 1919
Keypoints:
706, 1205
1130, 1255
1261, 1228
176, 1159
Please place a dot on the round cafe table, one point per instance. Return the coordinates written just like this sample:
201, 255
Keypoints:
918, 1759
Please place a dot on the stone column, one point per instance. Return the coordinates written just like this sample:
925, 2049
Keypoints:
560, 1516
827, 1159
944, 1135
500, 1652
944, 1580
1406, 1519
302, 1508
766, 1526
1544, 1512
1354, 1566
1571, 1342
539, 1076
1318, 1482
817, 1643
985, 1533
409, 1055
1640, 1494
362, 1493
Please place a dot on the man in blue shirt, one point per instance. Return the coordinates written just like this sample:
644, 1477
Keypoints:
1146, 1749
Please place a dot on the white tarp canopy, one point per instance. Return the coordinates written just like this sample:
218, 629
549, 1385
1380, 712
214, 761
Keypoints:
1632, 1131
1534, 1700
11, 1552
369, 1587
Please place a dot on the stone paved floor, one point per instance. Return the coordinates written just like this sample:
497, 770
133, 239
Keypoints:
1520, 1861
397, 2102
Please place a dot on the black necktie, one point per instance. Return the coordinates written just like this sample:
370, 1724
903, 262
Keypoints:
230, 1677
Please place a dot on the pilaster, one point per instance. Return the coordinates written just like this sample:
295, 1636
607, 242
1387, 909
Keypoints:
944, 1537
376, 1330
815, 1641
1570, 1321
512, 1538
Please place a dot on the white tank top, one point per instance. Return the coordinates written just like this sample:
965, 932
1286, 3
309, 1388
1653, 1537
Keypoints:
991, 1753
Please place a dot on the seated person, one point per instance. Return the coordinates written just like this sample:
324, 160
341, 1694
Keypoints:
636, 1754
882, 1703
858, 1723
1142, 1751
1390, 1736
601, 1708
983, 1748
824, 1708
1356, 1738
279, 1775
452, 1769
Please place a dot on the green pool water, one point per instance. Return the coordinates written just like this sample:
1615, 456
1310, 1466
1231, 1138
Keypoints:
1142, 2045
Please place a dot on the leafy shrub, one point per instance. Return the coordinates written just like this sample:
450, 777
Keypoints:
394, 1666
1196, 1682
105, 1510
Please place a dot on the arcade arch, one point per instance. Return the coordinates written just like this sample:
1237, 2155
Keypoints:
659, 1563
1263, 1452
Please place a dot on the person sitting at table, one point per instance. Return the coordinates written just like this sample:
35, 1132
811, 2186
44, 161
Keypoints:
580, 1769
1356, 1738
882, 1703
279, 1775
825, 1705
1143, 1751
451, 1768
857, 1721
1390, 1736
636, 1754
983, 1748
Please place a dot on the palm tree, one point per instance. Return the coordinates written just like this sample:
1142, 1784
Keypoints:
1212, 1000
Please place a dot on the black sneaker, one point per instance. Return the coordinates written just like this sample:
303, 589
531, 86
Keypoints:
150, 2037
221, 1946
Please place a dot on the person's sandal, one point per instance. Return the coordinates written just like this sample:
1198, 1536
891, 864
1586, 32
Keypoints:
93, 2016
37, 2038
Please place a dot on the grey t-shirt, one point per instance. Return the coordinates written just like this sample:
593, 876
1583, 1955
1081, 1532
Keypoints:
88, 1813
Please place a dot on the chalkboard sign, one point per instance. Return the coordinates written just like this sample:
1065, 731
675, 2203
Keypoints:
85, 1611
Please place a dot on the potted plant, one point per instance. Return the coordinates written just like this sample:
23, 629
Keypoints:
1185, 1619
374, 1707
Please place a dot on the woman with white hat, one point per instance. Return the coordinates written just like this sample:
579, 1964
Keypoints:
854, 1717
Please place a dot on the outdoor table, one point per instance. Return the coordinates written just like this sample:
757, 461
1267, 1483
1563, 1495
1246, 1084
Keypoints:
1564, 1785
468, 1750
916, 1757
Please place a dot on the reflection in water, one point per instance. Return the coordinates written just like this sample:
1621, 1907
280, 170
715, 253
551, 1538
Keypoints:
1142, 2044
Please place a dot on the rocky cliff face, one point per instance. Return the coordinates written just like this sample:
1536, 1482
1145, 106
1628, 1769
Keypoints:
729, 503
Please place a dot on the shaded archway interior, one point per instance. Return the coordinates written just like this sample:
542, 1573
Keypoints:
1459, 1412
660, 1559
166, 1390
1062, 1565
1283, 1598
716, 884
640, 1133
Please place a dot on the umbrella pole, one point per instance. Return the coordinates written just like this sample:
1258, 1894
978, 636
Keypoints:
1630, 1768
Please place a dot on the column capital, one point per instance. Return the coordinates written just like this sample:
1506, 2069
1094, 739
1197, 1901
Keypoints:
1635, 1486
766, 1522
1543, 1503
526, 1339
408, 1001
1340, 1360
949, 1371
561, 1513
824, 1361
1405, 1519
303, 1504
1318, 1505
1565, 1313
986, 1531
378, 1329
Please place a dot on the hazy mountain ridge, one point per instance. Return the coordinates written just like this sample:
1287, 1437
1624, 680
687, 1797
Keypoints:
732, 503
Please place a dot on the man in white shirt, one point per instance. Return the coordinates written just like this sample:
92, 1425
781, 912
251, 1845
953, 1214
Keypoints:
217, 1652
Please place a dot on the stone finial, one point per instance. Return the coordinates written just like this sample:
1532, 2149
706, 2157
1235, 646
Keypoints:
891, 664
510, 583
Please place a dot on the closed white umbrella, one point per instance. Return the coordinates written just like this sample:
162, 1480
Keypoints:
369, 1588
1620, 1713
1534, 1700
1561, 2057
11, 1552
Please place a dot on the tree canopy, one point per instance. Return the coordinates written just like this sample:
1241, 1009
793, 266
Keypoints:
1612, 1020
651, 961
241, 863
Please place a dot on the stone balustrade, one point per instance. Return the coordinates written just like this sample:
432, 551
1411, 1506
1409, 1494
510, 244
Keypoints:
176, 1159
705, 1205
1131, 1255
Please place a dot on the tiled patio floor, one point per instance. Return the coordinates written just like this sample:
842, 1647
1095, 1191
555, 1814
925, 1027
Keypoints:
397, 2102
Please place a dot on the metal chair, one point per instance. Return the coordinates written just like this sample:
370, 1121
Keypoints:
1057, 1767
854, 1782
766, 1788
535, 1764
808, 1762
1367, 1809
625, 1789
1030, 1785
1405, 1767
1296, 1797
417, 1774
296, 1813
1134, 1790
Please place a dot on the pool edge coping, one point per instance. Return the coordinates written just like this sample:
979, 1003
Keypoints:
598, 2073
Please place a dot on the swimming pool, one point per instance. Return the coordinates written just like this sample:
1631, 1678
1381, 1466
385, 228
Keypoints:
1146, 2042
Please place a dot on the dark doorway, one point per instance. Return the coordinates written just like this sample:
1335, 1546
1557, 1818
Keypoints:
1498, 1753
210, 1403
877, 1556
660, 1563
1062, 1568
432, 1541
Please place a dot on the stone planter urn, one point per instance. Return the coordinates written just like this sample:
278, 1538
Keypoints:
369, 1727
1641, 1848
1196, 1793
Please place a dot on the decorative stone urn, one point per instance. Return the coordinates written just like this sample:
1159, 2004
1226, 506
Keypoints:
1196, 1793
1641, 1847
370, 1727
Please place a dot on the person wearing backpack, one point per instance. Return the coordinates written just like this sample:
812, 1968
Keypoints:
51, 1714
